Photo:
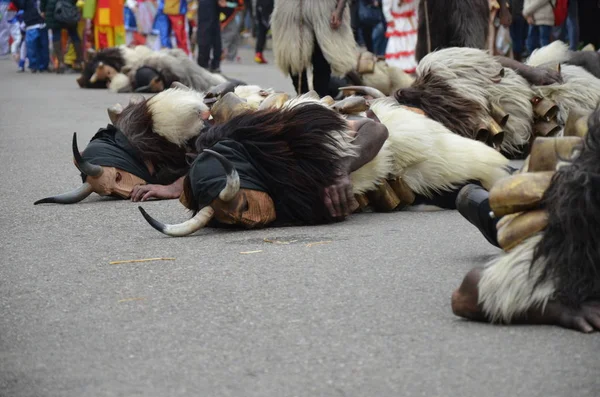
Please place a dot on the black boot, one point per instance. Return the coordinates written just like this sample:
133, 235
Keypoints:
473, 203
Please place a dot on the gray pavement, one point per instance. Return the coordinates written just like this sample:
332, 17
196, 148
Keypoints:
366, 312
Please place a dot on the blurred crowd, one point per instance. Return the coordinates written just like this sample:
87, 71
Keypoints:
44, 35
54, 34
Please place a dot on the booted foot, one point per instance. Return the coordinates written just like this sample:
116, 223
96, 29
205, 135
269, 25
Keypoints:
259, 58
473, 203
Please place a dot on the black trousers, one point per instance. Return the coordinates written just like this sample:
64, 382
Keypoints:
264, 8
209, 34
321, 74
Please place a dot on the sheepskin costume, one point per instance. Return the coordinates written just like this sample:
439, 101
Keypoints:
299, 25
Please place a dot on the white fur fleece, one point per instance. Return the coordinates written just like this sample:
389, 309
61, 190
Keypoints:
513, 94
119, 82
176, 114
251, 93
471, 72
134, 55
297, 24
555, 52
372, 174
507, 287
429, 157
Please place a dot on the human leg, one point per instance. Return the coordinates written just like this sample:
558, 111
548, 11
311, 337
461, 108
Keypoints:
545, 33
300, 82
321, 71
31, 38
178, 27
533, 38
43, 54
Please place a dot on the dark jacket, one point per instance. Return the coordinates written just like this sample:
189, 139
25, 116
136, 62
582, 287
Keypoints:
48, 7
31, 14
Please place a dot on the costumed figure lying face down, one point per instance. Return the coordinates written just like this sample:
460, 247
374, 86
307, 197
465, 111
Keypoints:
547, 221
105, 64
143, 154
372, 71
474, 95
140, 69
301, 162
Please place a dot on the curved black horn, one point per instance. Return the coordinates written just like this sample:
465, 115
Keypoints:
71, 197
85, 167
188, 227
233, 179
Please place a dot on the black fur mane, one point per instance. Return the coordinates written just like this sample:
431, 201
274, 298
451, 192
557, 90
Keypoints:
169, 160
442, 103
297, 150
453, 23
570, 246
109, 56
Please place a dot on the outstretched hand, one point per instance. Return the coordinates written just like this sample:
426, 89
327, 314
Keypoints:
585, 319
339, 199
544, 76
146, 192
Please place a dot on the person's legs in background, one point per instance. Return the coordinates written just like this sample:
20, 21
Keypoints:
379, 39
177, 23
217, 46
545, 33
300, 82
43, 50
573, 25
533, 38
321, 71
31, 41
367, 32
163, 24
518, 34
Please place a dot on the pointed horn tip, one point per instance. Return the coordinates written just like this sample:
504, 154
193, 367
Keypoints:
153, 222
44, 201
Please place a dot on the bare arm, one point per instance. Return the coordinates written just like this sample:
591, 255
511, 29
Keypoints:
369, 137
535, 76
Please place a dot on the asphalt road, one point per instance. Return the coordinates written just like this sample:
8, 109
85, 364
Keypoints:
359, 308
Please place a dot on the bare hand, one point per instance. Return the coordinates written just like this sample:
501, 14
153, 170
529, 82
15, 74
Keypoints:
222, 3
585, 319
339, 199
43, 14
530, 19
336, 20
146, 192
505, 17
543, 76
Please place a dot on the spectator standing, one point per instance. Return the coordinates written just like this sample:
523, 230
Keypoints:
401, 33
369, 16
36, 35
569, 30
209, 34
170, 18
230, 17
313, 33
47, 7
540, 16
518, 29
262, 16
